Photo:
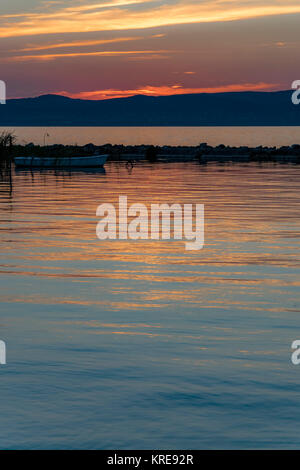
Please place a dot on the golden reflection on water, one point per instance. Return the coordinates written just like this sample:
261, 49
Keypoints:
48, 227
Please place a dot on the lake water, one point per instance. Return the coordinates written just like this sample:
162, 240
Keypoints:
142, 344
251, 136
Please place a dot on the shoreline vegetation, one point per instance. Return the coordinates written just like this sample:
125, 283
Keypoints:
202, 152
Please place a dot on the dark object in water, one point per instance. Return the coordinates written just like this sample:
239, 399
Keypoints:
93, 161
151, 154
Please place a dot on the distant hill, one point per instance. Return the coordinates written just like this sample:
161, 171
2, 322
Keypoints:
205, 109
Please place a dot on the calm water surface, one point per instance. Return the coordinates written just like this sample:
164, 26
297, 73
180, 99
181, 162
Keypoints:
141, 344
251, 136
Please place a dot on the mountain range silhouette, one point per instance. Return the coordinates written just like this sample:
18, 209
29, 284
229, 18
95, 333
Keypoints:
204, 109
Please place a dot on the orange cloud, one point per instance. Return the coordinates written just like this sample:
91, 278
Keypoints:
167, 90
122, 15
78, 44
63, 12
45, 57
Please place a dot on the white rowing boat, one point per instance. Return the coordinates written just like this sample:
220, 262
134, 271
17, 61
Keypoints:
92, 161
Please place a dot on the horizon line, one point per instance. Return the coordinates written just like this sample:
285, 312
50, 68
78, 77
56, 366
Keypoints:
147, 95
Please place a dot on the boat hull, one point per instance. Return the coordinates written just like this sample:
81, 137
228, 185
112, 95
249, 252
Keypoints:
93, 161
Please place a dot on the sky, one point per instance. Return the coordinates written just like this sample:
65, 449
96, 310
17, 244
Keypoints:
95, 49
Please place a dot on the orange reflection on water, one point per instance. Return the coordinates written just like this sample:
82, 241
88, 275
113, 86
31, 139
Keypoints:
251, 223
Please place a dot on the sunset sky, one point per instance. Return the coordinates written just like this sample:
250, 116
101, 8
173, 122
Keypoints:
111, 48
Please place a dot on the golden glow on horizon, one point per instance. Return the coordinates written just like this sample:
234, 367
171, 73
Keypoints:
121, 15
167, 91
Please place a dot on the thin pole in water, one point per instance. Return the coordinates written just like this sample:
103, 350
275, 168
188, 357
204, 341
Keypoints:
45, 135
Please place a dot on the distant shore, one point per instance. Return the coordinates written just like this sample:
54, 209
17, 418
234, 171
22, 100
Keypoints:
202, 153
239, 108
